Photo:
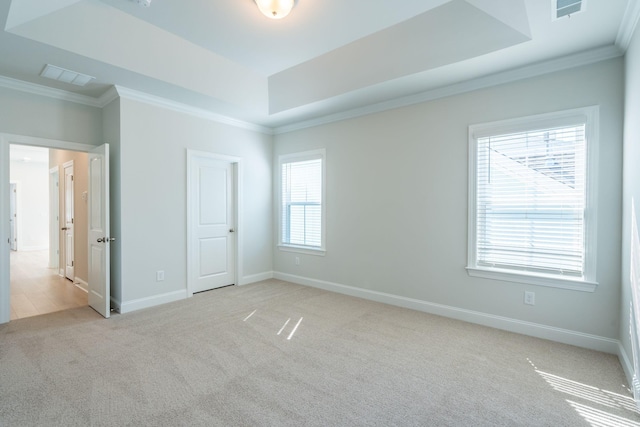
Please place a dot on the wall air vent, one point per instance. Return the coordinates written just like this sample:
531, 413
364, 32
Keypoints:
562, 8
67, 76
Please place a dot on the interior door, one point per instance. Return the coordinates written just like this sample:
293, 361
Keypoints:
212, 222
13, 217
68, 222
54, 219
99, 239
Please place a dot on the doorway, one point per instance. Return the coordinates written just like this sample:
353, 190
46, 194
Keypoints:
98, 207
37, 287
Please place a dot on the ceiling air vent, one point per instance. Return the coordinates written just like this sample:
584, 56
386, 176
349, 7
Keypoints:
562, 8
67, 76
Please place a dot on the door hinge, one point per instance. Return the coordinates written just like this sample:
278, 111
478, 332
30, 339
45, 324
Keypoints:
71, 263
71, 220
71, 177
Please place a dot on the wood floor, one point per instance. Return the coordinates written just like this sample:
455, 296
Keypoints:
37, 289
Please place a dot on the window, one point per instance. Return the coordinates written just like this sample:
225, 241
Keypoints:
530, 218
302, 201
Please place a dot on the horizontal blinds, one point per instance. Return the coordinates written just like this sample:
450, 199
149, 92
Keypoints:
531, 200
302, 203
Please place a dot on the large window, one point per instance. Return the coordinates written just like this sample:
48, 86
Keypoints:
301, 201
530, 216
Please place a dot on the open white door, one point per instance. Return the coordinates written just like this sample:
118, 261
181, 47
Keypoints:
98, 218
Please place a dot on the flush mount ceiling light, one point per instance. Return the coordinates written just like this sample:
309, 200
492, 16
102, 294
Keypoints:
275, 9
67, 76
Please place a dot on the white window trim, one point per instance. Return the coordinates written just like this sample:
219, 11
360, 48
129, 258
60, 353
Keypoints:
588, 115
298, 157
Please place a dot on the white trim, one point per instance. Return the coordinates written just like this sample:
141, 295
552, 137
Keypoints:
528, 71
630, 20
81, 284
188, 109
565, 336
301, 249
589, 116
532, 279
238, 188
254, 278
61, 272
110, 95
152, 301
36, 89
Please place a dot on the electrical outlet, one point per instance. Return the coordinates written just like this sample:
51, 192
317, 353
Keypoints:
297, 260
159, 275
529, 298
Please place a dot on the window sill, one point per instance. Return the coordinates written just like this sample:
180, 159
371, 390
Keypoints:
302, 250
533, 279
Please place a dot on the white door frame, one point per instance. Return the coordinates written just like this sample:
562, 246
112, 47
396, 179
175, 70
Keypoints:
13, 185
5, 140
54, 219
237, 189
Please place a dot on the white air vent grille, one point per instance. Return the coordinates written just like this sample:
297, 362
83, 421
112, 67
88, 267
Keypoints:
562, 8
67, 76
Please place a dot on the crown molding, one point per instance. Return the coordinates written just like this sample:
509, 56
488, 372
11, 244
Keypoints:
528, 71
629, 24
110, 95
48, 92
157, 101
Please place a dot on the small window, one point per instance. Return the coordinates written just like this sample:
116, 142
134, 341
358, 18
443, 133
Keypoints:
302, 201
530, 188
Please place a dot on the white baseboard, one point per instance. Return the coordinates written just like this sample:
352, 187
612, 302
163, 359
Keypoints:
138, 304
81, 284
246, 280
565, 336
61, 272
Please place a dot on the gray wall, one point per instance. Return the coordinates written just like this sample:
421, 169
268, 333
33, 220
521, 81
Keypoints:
32, 115
397, 201
153, 171
631, 183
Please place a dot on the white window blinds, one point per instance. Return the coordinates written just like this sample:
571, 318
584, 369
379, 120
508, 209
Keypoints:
530, 201
301, 208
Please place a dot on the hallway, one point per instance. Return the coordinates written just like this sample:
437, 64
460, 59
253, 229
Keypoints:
37, 289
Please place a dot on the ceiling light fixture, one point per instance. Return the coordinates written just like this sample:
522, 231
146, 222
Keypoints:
275, 9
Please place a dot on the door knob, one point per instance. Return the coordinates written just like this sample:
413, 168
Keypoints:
101, 239
232, 230
111, 239
64, 228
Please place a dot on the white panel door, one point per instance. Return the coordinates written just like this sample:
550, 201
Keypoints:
212, 222
68, 223
99, 239
13, 217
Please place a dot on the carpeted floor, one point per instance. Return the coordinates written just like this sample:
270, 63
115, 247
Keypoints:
275, 353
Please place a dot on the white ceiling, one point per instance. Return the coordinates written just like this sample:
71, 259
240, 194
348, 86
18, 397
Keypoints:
326, 57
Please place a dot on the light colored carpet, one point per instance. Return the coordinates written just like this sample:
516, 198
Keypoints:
217, 359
